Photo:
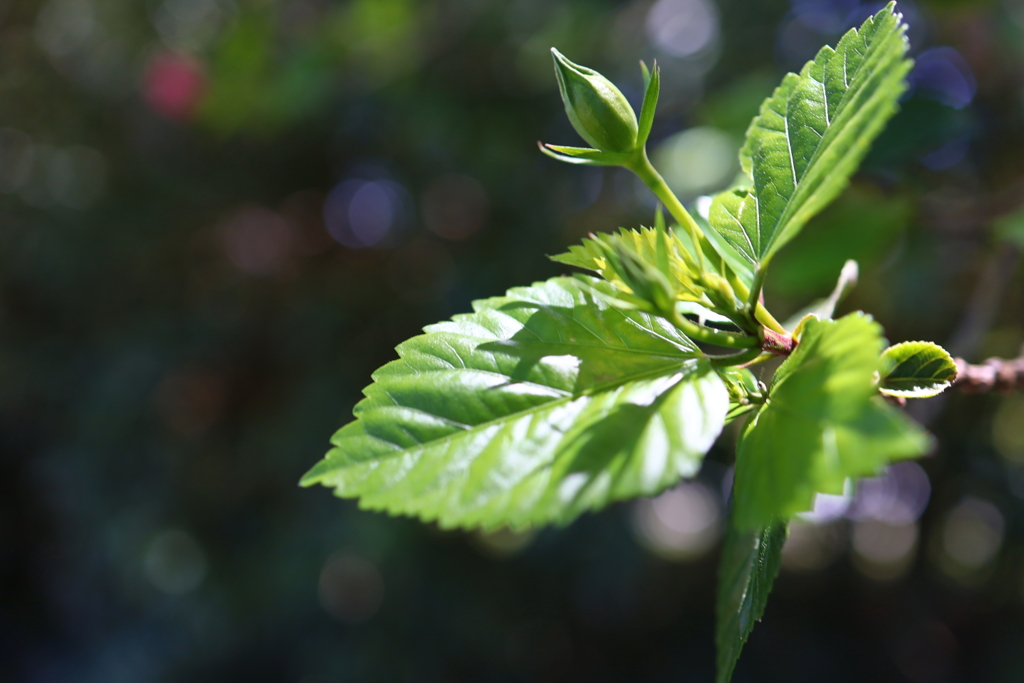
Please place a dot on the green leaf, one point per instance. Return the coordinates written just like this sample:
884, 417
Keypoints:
744, 391
652, 84
721, 257
543, 404
916, 370
811, 135
666, 250
589, 254
734, 216
750, 562
716, 229
822, 423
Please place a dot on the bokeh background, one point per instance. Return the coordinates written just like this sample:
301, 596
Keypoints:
218, 217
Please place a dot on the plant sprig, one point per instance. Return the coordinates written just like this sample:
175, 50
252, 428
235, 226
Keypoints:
571, 394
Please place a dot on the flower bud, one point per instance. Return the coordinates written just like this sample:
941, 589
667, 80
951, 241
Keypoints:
718, 290
597, 109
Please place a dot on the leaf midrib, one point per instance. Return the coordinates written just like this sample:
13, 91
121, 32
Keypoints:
684, 355
894, 377
798, 198
596, 389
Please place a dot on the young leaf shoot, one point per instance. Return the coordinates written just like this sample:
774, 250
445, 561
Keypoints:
571, 394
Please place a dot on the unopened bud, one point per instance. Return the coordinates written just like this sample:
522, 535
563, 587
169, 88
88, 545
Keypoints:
718, 289
597, 109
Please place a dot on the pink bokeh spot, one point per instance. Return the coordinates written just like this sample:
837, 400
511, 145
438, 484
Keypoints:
173, 85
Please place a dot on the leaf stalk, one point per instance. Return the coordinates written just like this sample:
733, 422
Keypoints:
706, 335
742, 358
763, 316
754, 299
641, 165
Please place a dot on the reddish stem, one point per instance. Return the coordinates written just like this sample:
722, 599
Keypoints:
994, 374
779, 344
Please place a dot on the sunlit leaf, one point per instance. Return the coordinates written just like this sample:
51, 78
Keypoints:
916, 370
822, 423
732, 259
750, 561
811, 135
658, 247
734, 216
541, 405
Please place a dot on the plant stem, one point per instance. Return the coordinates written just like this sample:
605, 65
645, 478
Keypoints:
995, 374
755, 287
737, 284
741, 358
743, 321
642, 167
779, 344
707, 335
757, 309
762, 316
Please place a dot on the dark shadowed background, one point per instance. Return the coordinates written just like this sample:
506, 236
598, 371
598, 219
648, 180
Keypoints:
218, 217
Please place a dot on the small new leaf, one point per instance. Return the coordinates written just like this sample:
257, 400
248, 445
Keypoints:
656, 246
750, 562
543, 404
916, 370
647, 282
821, 424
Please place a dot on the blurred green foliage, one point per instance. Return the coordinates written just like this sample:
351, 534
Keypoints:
862, 225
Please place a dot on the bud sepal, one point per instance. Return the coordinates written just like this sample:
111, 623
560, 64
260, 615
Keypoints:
652, 82
583, 156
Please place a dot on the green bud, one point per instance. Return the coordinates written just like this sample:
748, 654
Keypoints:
597, 109
719, 290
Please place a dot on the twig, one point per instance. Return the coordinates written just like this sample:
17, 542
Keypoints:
981, 311
995, 374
